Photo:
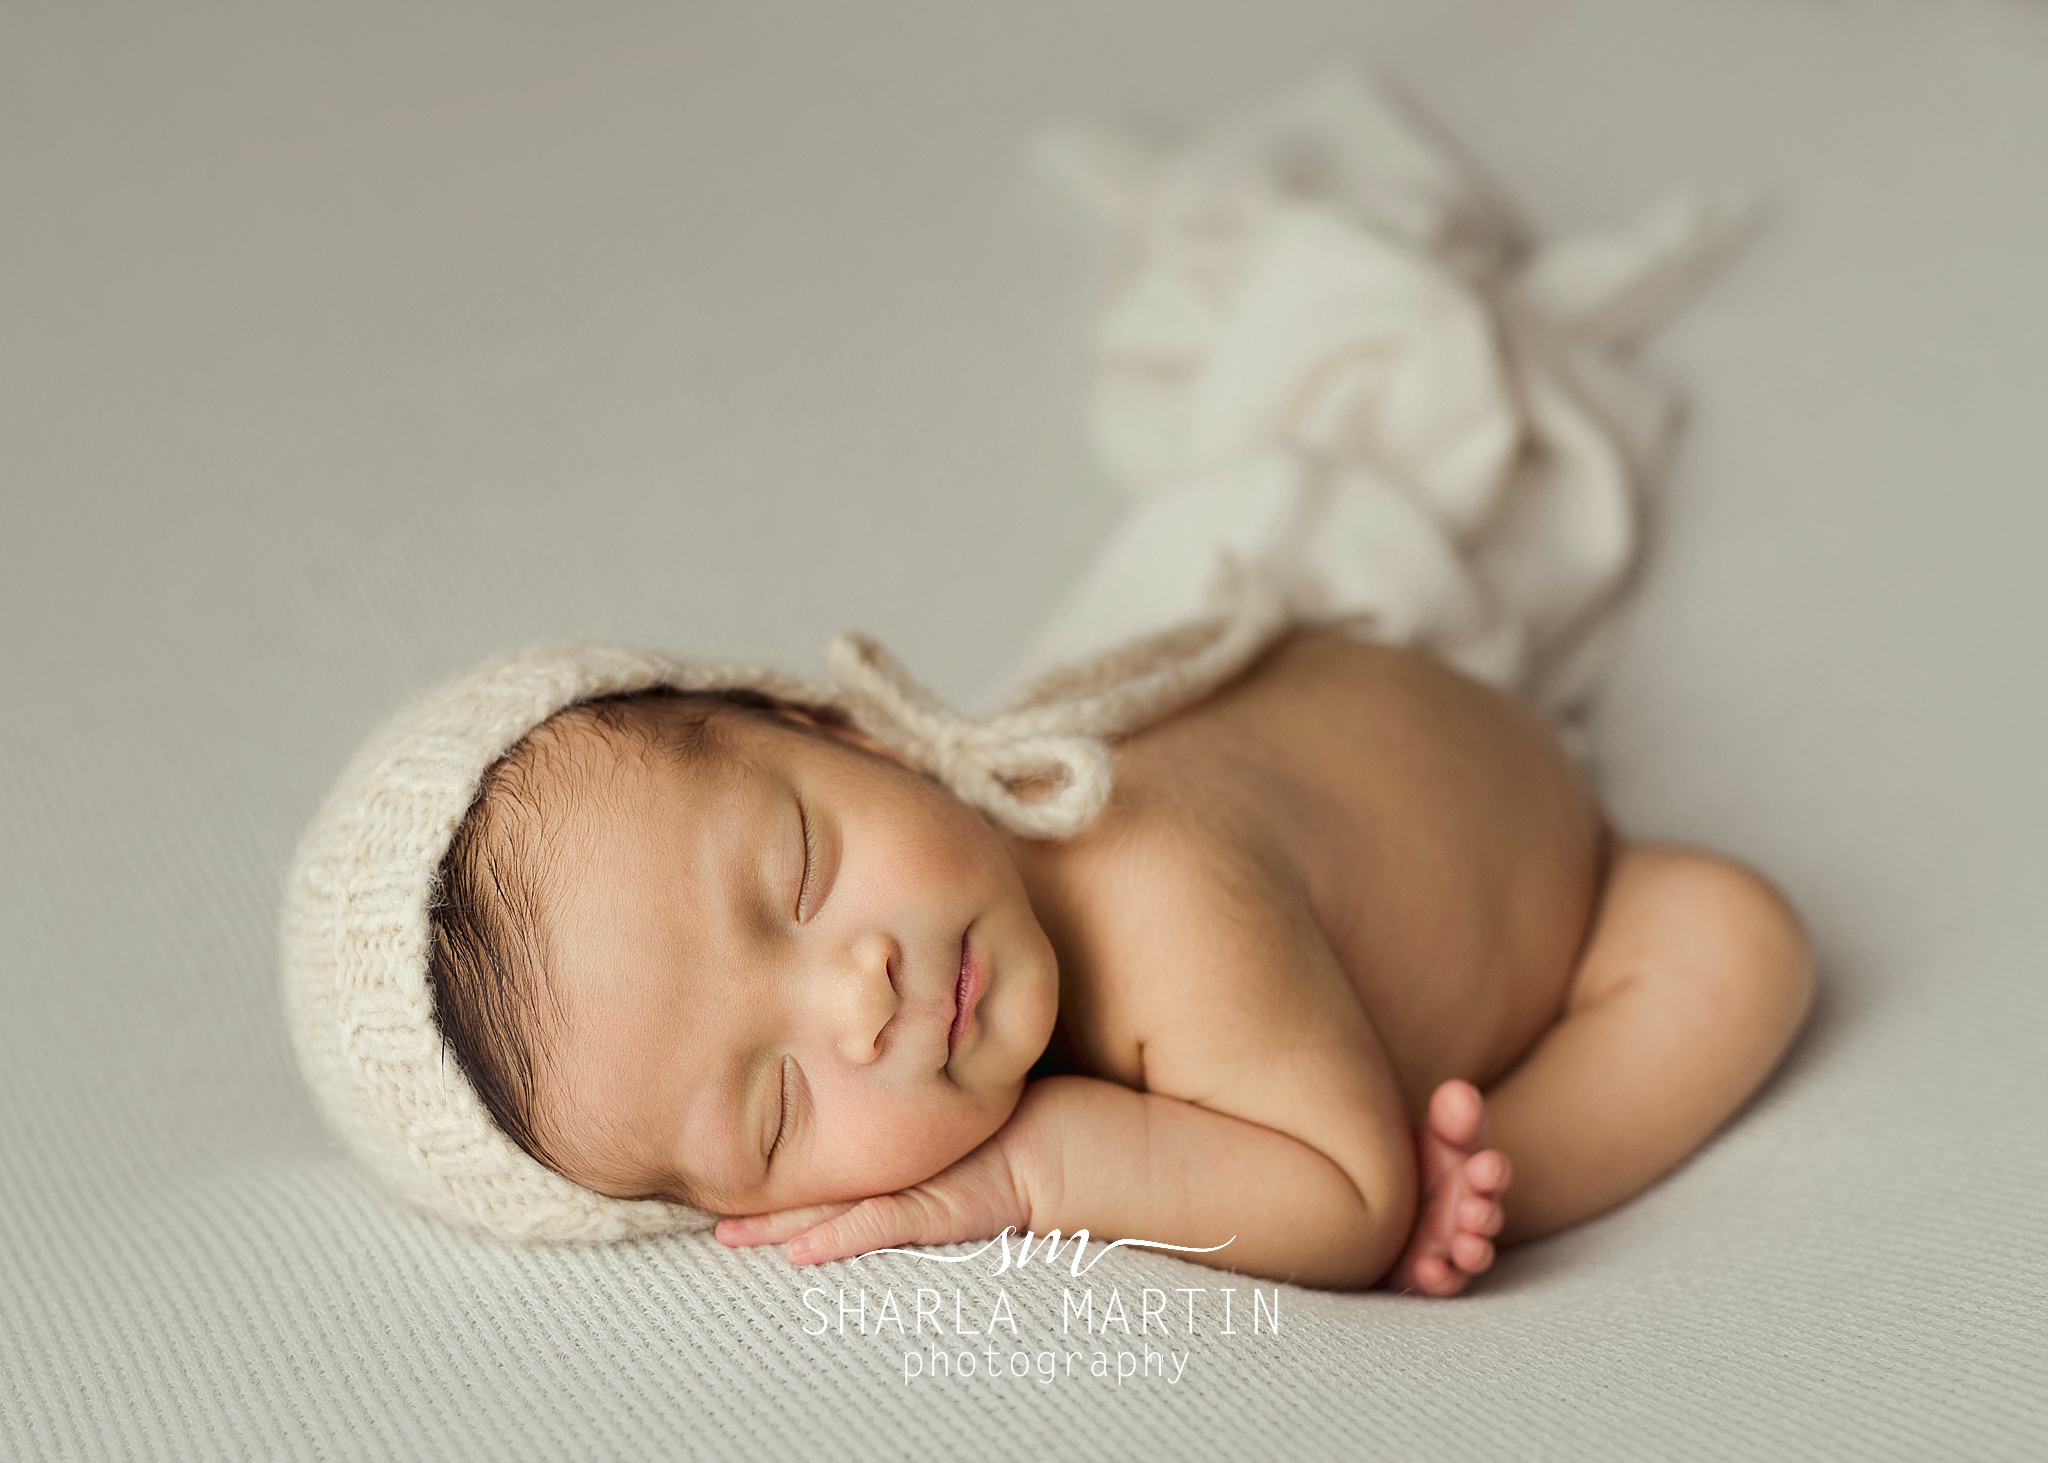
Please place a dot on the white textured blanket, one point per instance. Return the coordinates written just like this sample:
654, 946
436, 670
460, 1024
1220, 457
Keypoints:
1330, 352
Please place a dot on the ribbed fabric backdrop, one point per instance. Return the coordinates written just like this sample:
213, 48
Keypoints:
342, 346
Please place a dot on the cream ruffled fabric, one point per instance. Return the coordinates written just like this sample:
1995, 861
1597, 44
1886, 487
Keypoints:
1329, 356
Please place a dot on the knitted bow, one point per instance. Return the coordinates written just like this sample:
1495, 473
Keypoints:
1041, 769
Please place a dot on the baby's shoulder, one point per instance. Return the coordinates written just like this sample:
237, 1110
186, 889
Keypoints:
1181, 919
1195, 834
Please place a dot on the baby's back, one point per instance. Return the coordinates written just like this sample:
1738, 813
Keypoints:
1432, 829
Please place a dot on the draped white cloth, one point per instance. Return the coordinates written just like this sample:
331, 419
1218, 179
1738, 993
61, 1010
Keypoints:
1330, 354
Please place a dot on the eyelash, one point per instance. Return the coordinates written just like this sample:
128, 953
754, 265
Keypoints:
782, 1128
810, 858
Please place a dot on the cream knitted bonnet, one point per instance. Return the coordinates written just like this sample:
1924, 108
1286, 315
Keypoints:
357, 923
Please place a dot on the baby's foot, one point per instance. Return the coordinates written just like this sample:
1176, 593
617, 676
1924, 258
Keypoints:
1460, 1205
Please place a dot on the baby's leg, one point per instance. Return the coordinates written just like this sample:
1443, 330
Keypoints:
1695, 978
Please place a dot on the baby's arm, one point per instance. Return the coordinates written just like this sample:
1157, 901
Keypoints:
1298, 1151
1080, 1153
1137, 1164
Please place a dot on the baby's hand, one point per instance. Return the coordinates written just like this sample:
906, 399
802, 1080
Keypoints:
976, 1198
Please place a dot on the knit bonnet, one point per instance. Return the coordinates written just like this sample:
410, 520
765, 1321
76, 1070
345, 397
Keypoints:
357, 920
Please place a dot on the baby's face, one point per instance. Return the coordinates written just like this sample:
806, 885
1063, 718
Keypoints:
785, 972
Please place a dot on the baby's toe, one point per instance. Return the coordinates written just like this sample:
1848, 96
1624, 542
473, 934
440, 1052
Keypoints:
1434, 1276
1481, 1216
1471, 1253
1457, 1113
1488, 1173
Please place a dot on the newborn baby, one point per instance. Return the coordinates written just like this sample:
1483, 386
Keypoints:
1351, 972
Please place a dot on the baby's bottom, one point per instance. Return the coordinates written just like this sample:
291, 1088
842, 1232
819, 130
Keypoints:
1693, 982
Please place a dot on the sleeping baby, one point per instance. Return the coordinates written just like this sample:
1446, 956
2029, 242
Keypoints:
1269, 924
1275, 938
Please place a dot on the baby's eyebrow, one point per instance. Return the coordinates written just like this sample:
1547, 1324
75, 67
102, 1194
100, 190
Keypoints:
758, 1108
768, 861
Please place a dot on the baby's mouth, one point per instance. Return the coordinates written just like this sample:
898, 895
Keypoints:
967, 990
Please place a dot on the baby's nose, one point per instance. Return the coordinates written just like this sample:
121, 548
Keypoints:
867, 998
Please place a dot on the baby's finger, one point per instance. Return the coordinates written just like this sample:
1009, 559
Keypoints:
773, 1229
834, 1239
872, 1224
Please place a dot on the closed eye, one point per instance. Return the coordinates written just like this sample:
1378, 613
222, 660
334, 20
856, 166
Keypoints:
782, 1128
810, 858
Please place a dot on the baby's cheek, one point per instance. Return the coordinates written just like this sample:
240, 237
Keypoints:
898, 1150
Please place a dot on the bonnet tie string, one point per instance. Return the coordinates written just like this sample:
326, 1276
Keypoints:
1064, 778
1042, 769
